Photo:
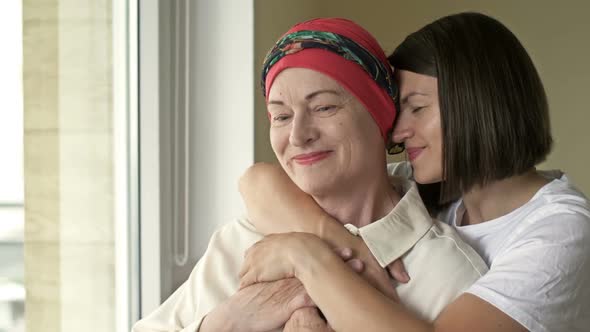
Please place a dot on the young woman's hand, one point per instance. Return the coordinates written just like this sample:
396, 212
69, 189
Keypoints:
278, 256
397, 271
362, 261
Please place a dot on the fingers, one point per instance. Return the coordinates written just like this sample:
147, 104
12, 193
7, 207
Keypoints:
247, 279
292, 289
378, 277
397, 270
389, 291
247, 258
246, 275
344, 253
356, 265
306, 319
248, 272
301, 300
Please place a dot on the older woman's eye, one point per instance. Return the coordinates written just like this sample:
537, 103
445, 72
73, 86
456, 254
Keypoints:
417, 109
326, 110
280, 118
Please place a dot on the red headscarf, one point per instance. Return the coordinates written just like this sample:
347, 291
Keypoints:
348, 73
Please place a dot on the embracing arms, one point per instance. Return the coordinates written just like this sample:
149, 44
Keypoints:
351, 304
276, 205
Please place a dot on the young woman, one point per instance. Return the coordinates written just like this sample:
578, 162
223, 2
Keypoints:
474, 121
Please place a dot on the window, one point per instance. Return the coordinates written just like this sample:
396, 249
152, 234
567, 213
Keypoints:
12, 291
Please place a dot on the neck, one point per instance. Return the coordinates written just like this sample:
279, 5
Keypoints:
361, 207
493, 200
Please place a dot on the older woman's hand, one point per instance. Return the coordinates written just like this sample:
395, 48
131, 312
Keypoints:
306, 320
261, 307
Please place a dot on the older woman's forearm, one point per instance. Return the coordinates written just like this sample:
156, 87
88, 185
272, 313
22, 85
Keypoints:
276, 205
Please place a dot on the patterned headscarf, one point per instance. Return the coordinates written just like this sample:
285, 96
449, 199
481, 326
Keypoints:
345, 52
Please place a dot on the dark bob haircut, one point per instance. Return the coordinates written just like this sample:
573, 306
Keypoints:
494, 112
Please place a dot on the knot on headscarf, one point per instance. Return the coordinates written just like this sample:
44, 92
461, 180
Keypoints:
345, 52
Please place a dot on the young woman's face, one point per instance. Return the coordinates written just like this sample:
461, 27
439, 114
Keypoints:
418, 125
322, 135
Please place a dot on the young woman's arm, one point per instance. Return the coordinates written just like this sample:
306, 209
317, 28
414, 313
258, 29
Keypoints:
351, 304
276, 205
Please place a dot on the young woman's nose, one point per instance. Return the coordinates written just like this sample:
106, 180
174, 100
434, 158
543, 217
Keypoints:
303, 131
402, 130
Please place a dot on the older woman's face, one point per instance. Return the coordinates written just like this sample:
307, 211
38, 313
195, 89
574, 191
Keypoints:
321, 134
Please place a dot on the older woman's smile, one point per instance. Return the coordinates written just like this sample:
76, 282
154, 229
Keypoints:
306, 159
323, 148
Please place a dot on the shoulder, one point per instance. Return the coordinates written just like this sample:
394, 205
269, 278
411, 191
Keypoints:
225, 251
551, 232
558, 213
562, 192
215, 277
237, 225
238, 234
541, 277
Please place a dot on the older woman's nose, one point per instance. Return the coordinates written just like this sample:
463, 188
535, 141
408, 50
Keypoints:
303, 131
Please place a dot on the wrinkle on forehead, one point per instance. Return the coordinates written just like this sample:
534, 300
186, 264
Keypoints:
302, 82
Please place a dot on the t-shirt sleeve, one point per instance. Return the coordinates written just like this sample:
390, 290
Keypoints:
213, 279
542, 280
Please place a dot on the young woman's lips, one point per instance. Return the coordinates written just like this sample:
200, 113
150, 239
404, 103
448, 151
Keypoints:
310, 158
413, 153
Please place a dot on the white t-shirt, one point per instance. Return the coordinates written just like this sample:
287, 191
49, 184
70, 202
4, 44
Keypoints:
539, 258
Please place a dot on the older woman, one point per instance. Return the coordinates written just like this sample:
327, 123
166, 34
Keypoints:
474, 121
330, 98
